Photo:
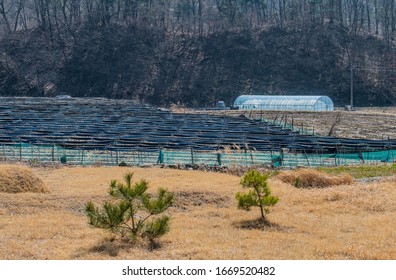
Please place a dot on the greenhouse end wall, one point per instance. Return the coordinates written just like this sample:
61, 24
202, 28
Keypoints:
284, 103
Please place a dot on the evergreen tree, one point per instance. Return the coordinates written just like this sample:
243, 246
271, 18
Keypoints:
259, 195
134, 213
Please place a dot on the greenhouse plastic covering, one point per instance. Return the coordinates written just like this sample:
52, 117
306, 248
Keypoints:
284, 103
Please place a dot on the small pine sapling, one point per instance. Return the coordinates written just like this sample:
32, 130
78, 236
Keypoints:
259, 195
298, 182
133, 212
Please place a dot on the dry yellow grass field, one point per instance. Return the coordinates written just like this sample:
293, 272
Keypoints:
354, 221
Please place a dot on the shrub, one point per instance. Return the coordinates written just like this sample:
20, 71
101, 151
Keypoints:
259, 195
297, 182
135, 214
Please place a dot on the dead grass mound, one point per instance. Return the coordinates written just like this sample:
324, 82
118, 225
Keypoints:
310, 178
19, 179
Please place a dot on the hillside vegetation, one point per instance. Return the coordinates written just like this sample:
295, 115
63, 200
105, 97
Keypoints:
196, 52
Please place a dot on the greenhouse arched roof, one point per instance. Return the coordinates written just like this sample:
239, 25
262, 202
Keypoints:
284, 102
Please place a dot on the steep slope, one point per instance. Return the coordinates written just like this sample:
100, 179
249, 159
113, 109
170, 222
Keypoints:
164, 69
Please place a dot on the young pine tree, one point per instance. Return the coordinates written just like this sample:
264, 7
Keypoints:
259, 194
133, 213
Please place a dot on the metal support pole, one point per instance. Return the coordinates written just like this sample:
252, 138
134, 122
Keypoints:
192, 155
82, 156
285, 121
219, 158
292, 124
20, 150
39, 152
306, 157
160, 159
335, 156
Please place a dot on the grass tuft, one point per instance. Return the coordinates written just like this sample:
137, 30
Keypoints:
364, 171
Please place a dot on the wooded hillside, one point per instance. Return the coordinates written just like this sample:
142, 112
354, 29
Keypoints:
195, 52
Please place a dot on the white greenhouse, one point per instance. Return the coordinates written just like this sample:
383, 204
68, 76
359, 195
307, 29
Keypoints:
284, 103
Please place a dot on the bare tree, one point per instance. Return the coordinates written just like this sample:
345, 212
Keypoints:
336, 121
4, 14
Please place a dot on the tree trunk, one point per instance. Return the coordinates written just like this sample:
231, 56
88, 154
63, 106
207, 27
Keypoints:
4, 15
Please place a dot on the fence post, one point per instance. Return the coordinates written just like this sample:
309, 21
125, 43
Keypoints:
245, 153
139, 156
82, 156
282, 157
20, 150
218, 158
335, 156
39, 152
306, 157
160, 159
286, 121
116, 156
292, 124
192, 155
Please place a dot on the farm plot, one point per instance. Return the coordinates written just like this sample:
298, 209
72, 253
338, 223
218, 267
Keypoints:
110, 131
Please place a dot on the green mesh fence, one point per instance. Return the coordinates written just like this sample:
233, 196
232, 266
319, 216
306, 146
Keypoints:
55, 154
